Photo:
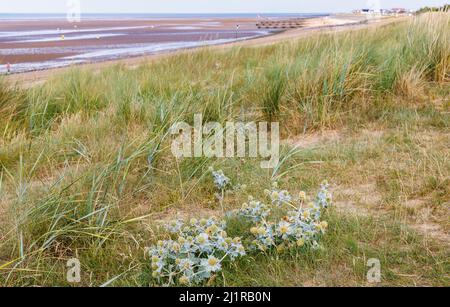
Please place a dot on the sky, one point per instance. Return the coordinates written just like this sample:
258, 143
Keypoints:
207, 6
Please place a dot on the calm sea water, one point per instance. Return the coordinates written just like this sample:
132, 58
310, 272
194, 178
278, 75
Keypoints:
7, 16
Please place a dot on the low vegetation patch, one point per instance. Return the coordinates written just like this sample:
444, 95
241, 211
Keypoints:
197, 249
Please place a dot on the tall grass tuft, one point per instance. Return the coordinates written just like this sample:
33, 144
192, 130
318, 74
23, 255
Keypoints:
273, 91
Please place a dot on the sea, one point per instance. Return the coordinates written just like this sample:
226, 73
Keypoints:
145, 16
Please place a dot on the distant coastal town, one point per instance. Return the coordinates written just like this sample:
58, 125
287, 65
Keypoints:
398, 11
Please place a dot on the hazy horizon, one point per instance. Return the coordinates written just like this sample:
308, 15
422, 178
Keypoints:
206, 6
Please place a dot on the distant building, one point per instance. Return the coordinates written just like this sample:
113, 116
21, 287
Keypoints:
399, 11
385, 12
369, 11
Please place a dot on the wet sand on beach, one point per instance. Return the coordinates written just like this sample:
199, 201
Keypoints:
32, 41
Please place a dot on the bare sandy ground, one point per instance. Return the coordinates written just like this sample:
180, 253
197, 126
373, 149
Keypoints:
314, 26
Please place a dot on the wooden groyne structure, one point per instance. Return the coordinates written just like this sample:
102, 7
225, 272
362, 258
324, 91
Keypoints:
292, 23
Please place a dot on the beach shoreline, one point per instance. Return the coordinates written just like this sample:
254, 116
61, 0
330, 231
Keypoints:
312, 26
41, 44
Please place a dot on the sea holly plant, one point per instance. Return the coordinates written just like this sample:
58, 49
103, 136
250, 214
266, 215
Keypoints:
300, 226
197, 249
254, 211
278, 197
195, 252
222, 183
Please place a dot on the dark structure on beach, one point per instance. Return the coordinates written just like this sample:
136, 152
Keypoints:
292, 23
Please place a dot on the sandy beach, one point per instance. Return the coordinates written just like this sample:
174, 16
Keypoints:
41, 44
97, 43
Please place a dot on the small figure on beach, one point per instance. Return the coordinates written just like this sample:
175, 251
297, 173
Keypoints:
8, 68
62, 37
